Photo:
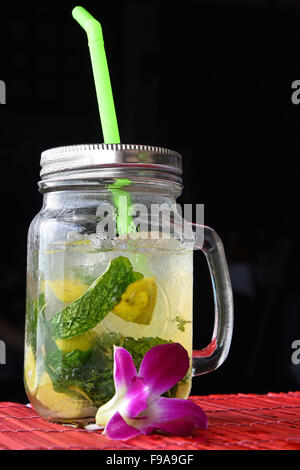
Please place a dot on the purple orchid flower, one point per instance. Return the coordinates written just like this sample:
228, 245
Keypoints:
137, 406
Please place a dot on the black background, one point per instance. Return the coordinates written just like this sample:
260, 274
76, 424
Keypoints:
210, 79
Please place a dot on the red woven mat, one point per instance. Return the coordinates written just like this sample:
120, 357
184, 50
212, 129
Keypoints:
235, 422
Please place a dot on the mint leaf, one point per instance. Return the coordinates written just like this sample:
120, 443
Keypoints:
92, 371
33, 308
181, 322
139, 347
81, 369
100, 298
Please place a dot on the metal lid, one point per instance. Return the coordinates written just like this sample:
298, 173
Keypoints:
97, 161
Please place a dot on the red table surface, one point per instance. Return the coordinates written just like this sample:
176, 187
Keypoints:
239, 421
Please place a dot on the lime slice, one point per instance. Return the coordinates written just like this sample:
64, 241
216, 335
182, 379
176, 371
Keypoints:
82, 342
67, 291
138, 302
30, 370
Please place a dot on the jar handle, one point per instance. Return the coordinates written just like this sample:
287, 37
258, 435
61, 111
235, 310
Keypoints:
211, 357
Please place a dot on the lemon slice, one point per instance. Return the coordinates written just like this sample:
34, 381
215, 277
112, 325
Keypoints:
30, 371
67, 291
82, 342
62, 404
138, 302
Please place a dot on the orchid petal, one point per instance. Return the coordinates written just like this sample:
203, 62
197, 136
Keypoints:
124, 370
106, 411
135, 400
117, 428
129, 400
171, 415
137, 406
163, 366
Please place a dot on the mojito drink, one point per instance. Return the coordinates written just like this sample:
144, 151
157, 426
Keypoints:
137, 293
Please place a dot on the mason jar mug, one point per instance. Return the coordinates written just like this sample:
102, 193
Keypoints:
101, 272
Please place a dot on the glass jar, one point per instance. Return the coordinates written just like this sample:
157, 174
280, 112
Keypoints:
90, 288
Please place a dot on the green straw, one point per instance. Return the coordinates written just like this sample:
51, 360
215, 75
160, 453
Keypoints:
106, 107
125, 223
105, 98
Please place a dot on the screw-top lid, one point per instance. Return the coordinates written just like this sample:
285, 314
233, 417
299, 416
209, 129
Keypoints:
98, 161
